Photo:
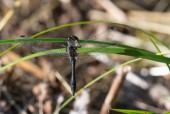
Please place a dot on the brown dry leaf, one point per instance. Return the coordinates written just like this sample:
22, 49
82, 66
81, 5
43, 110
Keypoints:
48, 107
25, 65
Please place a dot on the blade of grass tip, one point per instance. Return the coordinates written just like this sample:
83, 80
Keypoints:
157, 48
159, 51
155, 38
147, 33
151, 37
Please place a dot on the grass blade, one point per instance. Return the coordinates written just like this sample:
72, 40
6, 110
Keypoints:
132, 111
114, 50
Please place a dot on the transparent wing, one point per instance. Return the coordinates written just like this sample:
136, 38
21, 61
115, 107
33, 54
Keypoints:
103, 35
35, 47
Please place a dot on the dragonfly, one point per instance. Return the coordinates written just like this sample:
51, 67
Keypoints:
72, 45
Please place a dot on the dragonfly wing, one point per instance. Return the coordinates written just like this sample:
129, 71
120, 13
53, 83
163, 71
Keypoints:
86, 58
104, 58
35, 47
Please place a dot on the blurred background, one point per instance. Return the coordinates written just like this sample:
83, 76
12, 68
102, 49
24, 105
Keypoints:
40, 85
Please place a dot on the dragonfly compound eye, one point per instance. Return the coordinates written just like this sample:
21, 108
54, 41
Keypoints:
73, 38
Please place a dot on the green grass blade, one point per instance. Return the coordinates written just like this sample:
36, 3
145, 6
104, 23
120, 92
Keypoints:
114, 50
125, 51
90, 22
62, 40
75, 24
9, 49
133, 111
56, 51
13, 41
67, 25
157, 48
155, 38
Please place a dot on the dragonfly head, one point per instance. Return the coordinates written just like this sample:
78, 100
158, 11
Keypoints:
72, 41
72, 38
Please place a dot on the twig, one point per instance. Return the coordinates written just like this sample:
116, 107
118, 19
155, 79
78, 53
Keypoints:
9, 14
151, 26
128, 5
141, 23
158, 17
26, 65
113, 10
63, 82
114, 90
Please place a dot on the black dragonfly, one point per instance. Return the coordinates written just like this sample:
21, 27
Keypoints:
72, 44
